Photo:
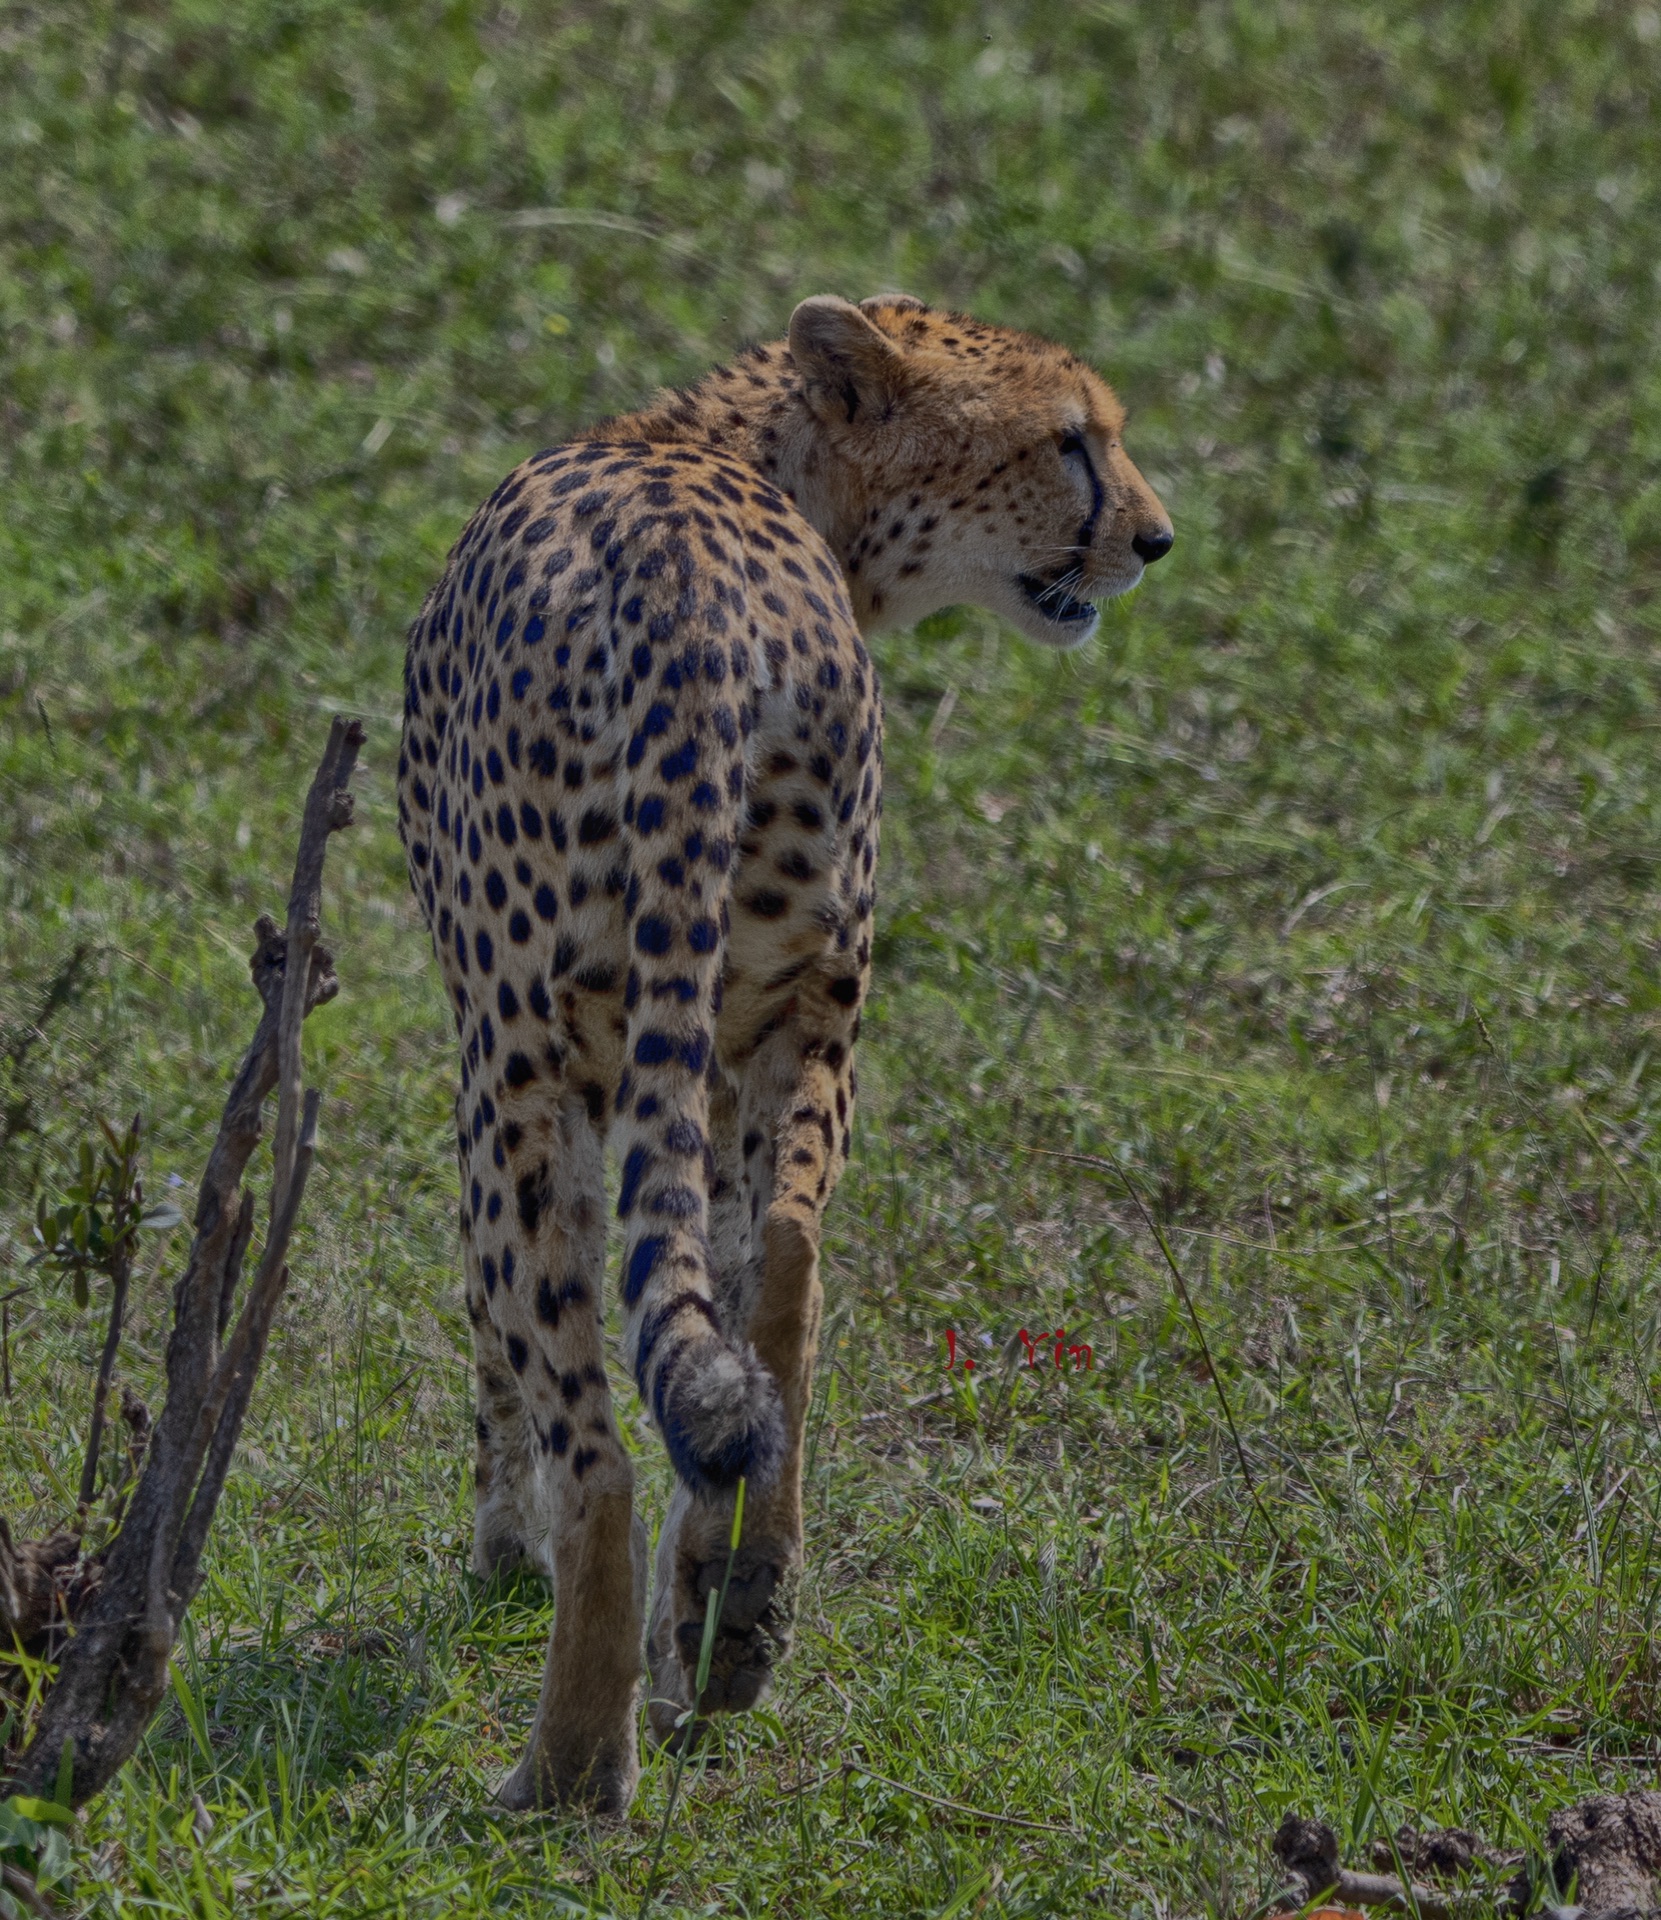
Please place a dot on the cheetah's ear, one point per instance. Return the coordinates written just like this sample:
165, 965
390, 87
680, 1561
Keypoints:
849, 366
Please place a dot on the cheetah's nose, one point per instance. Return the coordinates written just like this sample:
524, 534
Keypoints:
1149, 547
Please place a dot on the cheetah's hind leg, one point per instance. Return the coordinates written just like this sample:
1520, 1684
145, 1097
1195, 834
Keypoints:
754, 1630
505, 1494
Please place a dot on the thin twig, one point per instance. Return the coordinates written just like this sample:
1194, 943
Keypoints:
328, 805
234, 1377
268, 1275
123, 1206
121, 1274
956, 1806
1101, 1165
1397, 1896
1214, 1821
6, 1300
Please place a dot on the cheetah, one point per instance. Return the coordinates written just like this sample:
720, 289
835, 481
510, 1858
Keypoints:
639, 791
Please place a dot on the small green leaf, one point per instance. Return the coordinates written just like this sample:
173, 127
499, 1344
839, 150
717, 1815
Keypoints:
160, 1215
18, 1833
191, 1703
49, 1813
706, 1652
54, 1861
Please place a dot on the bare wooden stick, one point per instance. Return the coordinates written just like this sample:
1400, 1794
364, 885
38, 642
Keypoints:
267, 1285
235, 1259
1385, 1890
240, 1363
1395, 1896
115, 1672
328, 806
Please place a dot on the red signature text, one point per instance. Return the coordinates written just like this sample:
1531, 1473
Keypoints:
1040, 1347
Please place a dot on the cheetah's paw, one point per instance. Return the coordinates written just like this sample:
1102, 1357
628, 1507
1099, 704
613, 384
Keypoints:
753, 1632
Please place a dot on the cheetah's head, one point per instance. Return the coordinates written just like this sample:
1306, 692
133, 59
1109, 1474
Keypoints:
952, 462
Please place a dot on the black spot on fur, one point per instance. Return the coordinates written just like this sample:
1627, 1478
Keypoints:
533, 1196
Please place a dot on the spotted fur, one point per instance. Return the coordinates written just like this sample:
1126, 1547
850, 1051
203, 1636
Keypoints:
639, 792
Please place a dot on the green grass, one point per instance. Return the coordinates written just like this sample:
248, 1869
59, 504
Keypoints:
1322, 893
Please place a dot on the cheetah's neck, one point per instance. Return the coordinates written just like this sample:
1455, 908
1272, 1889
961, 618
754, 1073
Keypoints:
754, 409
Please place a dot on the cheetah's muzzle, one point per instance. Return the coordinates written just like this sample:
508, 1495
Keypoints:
1055, 601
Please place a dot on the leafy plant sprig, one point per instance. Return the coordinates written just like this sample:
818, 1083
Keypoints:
92, 1231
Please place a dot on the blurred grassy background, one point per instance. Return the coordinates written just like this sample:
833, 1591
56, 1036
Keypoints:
1321, 893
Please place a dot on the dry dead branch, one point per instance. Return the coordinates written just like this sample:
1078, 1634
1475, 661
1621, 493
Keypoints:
1608, 1848
114, 1669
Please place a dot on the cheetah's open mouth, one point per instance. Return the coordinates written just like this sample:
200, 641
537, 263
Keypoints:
1054, 600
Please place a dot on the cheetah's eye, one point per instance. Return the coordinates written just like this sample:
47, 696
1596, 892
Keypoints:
1075, 456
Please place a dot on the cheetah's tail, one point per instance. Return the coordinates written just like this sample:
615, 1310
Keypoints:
716, 1406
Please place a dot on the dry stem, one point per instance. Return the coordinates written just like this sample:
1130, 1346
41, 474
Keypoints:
115, 1672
